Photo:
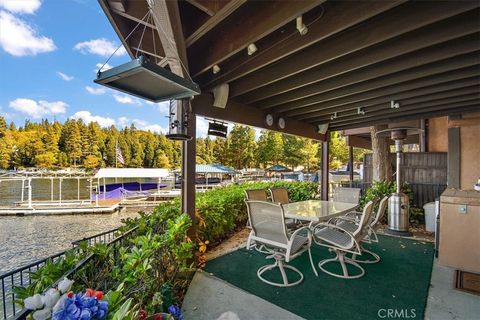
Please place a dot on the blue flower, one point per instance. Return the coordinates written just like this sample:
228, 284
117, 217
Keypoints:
81, 307
175, 311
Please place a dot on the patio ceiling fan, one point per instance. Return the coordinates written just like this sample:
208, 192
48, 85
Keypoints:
398, 203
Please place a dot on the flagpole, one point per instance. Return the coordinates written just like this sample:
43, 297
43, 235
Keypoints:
116, 151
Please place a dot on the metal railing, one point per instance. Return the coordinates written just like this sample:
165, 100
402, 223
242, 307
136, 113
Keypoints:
21, 276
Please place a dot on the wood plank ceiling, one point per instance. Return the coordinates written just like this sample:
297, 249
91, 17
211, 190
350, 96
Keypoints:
356, 57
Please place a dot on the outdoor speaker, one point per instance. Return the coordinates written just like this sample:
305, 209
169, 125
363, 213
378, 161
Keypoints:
322, 128
178, 120
220, 95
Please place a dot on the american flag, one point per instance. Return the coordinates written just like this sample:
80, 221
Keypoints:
118, 155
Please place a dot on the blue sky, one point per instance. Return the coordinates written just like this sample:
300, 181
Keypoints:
49, 54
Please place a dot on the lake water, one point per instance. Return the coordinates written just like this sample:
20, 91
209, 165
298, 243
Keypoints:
26, 239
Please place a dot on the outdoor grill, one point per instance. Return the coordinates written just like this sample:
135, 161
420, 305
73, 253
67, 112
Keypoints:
398, 203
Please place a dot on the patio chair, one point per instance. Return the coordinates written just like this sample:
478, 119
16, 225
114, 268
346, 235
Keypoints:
257, 195
342, 241
280, 195
269, 228
348, 195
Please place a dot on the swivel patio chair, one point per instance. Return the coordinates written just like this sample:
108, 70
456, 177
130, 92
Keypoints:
257, 195
269, 228
280, 195
348, 195
350, 224
342, 241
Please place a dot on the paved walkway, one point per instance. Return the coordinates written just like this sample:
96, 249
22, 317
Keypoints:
210, 298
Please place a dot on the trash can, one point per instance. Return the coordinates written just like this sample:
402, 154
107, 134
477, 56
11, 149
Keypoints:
429, 209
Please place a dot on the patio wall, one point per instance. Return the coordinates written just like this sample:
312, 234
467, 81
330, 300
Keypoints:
437, 134
469, 155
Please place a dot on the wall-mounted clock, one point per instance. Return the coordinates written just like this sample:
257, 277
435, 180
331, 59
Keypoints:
281, 123
269, 120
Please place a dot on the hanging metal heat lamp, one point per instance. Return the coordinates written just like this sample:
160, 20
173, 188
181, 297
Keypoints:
148, 80
398, 203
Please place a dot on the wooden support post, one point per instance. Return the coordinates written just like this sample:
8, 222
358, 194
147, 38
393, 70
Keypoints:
325, 165
422, 141
350, 165
453, 157
188, 170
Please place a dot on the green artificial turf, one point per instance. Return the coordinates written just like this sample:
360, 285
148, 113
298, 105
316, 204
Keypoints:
400, 281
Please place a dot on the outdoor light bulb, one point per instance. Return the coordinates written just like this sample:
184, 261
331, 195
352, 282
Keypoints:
301, 27
252, 48
216, 69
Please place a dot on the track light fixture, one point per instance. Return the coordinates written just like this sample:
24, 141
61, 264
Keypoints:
360, 111
216, 69
394, 105
334, 116
301, 27
251, 49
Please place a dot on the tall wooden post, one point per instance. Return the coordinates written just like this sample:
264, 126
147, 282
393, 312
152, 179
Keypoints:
382, 169
325, 166
188, 169
350, 165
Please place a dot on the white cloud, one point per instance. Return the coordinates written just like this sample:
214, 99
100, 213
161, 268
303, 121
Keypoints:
64, 76
162, 107
87, 117
143, 125
18, 38
20, 6
102, 47
202, 127
38, 109
123, 122
95, 91
124, 99
105, 67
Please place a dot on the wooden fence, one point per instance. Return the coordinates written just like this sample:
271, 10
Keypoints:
425, 172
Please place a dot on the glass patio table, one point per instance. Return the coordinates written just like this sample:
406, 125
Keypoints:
317, 210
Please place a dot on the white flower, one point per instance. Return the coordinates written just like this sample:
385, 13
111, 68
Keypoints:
51, 297
33, 303
43, 314
59, 303
65, 285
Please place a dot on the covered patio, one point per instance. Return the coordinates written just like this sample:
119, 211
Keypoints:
307, 68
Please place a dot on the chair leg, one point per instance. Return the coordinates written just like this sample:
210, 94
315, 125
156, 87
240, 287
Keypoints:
340, 257
311, 262
376, 257
263, 249
280, 264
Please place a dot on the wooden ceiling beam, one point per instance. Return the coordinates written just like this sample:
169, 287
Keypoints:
366, 97
167, 21
325, 78
136, 10
216, 18
229, 37
457, 123
326, 112
439, 98
308, 95
330, 18
202, 105
358, 142
433, 112
354, 49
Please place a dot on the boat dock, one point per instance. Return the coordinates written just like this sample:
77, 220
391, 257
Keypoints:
66, 207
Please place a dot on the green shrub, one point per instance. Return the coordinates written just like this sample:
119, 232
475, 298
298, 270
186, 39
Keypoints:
221, 210
378, 190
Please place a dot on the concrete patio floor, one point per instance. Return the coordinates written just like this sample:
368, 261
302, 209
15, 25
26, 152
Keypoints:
212, 298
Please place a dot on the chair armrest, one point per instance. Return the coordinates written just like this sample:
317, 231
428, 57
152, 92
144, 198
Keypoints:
301, 229
344, 218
